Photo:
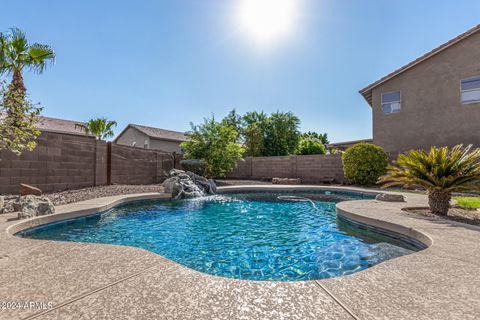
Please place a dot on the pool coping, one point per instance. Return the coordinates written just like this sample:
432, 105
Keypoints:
385, 215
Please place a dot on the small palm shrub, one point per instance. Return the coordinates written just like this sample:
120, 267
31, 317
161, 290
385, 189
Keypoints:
99, 127
196, 166
438, 171
364, 163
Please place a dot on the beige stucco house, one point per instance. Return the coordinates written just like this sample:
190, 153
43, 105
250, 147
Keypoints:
135, 135
434, 100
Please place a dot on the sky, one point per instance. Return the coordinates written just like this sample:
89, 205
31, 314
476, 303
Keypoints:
166, 63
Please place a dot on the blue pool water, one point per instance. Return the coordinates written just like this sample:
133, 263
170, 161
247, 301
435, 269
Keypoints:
252, 236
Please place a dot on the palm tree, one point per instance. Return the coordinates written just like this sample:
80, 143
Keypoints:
99, 127
16, 53
439, 171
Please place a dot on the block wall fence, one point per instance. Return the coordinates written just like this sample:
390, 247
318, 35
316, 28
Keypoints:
310, 169
64, 162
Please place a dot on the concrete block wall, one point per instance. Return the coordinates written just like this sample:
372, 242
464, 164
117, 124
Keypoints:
133, 165
310, 169
65, 162
101, 163
59, 162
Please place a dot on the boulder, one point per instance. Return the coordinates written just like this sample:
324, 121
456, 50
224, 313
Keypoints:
26, 189
388, 197
175, 172
285, 181
172, 185
186, 184
31, 206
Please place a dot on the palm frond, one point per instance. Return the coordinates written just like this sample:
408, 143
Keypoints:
16, 53
99, 127
18, 41
40, 55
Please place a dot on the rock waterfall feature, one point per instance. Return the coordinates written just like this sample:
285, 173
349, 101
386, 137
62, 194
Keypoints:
185, 184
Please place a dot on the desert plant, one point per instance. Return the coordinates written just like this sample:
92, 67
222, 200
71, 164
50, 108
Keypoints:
438, 171
364, 163
310, 146
16, 54
99, 127
196, 166
216, 144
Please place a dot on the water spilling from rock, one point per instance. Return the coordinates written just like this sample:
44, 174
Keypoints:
185, 184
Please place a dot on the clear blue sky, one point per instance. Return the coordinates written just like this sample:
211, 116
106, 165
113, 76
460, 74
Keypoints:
166, 63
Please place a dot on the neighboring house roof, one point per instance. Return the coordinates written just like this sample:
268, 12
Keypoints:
156, 133
367, 91
59, 125
344, 145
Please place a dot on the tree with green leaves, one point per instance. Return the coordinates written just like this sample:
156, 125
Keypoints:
18, 118
216, 144
309, 146
282, 135
234, 120
254, 126
99, 127
440, 171
18, 54
320, 137
18, 130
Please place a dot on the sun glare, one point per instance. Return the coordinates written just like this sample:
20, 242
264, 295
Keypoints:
267, 20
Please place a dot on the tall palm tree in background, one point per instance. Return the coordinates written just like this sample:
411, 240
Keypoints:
438, 171
99, 127
17, 54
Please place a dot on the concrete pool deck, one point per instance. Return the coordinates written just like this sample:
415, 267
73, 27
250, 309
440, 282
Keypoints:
97, 281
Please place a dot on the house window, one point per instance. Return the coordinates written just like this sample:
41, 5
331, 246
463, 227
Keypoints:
391, 102
470, 90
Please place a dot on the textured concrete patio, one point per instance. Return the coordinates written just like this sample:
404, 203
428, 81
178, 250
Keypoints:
95, 281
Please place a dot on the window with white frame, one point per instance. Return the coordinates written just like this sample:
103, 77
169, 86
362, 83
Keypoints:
470, 90
391, 102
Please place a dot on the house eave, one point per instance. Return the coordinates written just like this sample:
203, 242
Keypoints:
367, 91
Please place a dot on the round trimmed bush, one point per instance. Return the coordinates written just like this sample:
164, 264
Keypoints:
196, 166
364, 163
310, 146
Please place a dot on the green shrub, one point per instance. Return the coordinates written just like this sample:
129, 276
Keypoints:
196, 166
216, 144
364, 163
310, 146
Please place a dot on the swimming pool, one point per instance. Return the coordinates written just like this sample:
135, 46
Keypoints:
254, 236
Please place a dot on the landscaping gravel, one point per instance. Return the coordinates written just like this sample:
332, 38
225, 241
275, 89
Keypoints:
454, 213
64, 197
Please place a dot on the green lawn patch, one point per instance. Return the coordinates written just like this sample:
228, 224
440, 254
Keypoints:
468, 202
